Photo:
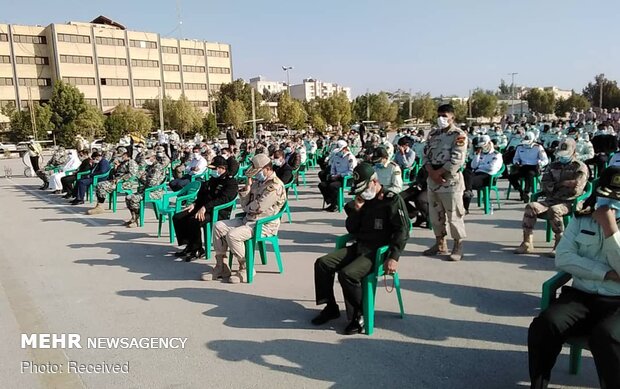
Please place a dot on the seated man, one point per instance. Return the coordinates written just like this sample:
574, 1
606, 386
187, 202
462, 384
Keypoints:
100, 166
528, 160
283, 170
389, 173
197, 165
375, 218
220, 189
591, 306
155, 174
485, 163
73, 162
68, 182
405, 156
263, 196
563, 181
58, 159
342, 164
123, 168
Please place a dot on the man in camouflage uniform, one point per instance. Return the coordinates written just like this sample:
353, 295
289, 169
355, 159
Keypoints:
563, 181
263, 196
444, 156
154, 175
59, 158
123, 168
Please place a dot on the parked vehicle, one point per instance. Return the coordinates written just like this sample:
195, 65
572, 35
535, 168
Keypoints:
7, 147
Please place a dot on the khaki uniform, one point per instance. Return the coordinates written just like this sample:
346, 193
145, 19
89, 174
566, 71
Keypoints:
263, 199
559, 198
448, 149
391, 177
153, 175
125, 170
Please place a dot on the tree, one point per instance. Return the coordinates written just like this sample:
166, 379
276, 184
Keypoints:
125, 120
423, 107
577, 101
169, 111
483, 104
611, 92
336, 109
382, 109
237, 90
21, 122
91, 122
210, 127
541, 101
264, 112
234, 112
504, 89
67, 105
291, 112
460, 111
186, 117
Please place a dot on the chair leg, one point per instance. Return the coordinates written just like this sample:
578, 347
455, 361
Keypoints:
497, 199
340, 199
142, 214
479, 198
160, 221
575, 360
288, 213
548, 232
249, 260
488, 208
398, 295
369, 285
262, 251
171, 228
207, 238
276, 250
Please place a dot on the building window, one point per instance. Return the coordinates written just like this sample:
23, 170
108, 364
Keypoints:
114, 102
145, 82
32, 60
6, 81
6, 103
5, 59
35, 81
25, 103
218, 70
100, 40
193, 86
169, 50
73, 38
145, 63
172, 85
142, 44
171, 68
200, 103
79, 80
30, 39
91, 101
115, 81
192, 51
75, 59
214, 87
112, 61
4, 38
194, 69
218, 53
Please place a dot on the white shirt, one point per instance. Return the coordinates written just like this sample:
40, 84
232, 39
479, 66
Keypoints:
200, 163
489, 163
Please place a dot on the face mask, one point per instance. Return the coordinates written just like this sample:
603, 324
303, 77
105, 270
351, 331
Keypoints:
287, 150
379, 165
487, 148
565, 159
149, 162
225, 156
368, 194
260, 176
196, 155
442, 122
277, 162
215, 173
613, 204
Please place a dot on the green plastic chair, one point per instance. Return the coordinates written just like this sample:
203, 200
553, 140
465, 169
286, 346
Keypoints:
93, 185
535, 186
484, 194
81, 175
258, 241
292, 185
171, 168
146, 199
577, 344
70, 172
53, 169
566, 218
302, 173
113, 197
287, 209
312, 160
369, 284
210, 226
204, 176
346, 186
165, 210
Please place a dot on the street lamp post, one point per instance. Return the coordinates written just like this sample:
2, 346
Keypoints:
288, 80
512, 90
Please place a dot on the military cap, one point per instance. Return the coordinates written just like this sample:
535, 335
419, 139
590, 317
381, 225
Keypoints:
259, 161
378, 154
362, 175
566, 148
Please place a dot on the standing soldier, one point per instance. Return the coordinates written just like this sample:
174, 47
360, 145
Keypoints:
444, 156
563, 181
154, 175
123, 168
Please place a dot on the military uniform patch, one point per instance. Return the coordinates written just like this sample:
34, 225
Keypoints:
460, 141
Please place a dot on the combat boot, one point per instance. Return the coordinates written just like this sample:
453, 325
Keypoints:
128, 222
457, 251
240, 275
135, 221
551, 254
439, 248
97, 210
220, 271
527, 246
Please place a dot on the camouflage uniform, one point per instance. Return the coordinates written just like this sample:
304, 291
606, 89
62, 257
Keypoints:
59, 158
447, 149
154, 175
124, 171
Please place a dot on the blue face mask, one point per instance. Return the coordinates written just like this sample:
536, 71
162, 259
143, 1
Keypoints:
565, 159
379, 165
611, 203
260, 176
215, 174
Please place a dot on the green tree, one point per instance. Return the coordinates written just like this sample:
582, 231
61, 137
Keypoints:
541, 101
577, 101
186, 117
168, 105
210, 127
21, 122
611, 92
91, 122
291, 112
234, 112
382, 109
335, 109
67, 105
483, 104
264, 112
124, 120
237, 90
423, 107
460, 111
504, 89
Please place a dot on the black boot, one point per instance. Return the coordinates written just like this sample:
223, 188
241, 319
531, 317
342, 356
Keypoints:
330, 312
356, 326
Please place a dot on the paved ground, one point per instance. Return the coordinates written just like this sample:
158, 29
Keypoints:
64, 272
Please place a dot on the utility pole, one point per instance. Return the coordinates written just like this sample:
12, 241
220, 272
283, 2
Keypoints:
367, 106
253, 113
33, 119
512, 90
161, 108
288, 80
410, 104
469, 104
600, 92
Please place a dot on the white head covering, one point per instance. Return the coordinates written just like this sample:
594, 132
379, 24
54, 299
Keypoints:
73, 162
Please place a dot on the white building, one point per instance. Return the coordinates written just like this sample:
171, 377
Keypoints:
261, 84
310, 88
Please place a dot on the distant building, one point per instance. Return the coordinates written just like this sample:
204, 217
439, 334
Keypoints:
261, 84
557, 92
310, 89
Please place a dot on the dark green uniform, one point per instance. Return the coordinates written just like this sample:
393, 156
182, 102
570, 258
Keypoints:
378, 223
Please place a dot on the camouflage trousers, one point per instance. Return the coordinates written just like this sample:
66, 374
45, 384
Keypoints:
551, 210
447, 208
43, 176
104, 189
232, 234
133, 200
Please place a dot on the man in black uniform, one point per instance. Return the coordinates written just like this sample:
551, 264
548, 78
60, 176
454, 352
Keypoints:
221, 188
375, 218
283, 170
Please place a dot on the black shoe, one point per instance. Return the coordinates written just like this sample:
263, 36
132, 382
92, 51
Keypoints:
331, 208
356, 326
526, 198
44, 186
181, 253
77, 202
328, 313
67, 196
194, 255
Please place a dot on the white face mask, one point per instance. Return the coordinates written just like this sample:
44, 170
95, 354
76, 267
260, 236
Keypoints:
368, 194
196, 155
149, 162
442, 122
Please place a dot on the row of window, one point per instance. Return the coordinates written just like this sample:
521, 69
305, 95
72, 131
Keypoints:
172, 85
145, 63
218, 53
143, 44
29, 39
4, 103
79, 80
75, 59
115, 81
112, 61
169, 50
32, 60
114, 102
72, 38
7, 81
91, 101
200, 103
219, 70
193, 86
193, 69
109, 41
5, 59
171, 68
4, 37
192, 51
146, 82
25, 103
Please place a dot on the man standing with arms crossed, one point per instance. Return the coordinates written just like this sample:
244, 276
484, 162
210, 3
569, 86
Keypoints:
444, 156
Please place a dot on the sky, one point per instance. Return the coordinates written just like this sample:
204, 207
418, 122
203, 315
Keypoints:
445, 47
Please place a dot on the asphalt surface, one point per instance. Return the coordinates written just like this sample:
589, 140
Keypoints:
64, 272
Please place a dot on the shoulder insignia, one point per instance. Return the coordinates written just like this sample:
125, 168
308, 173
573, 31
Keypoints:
461, 140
